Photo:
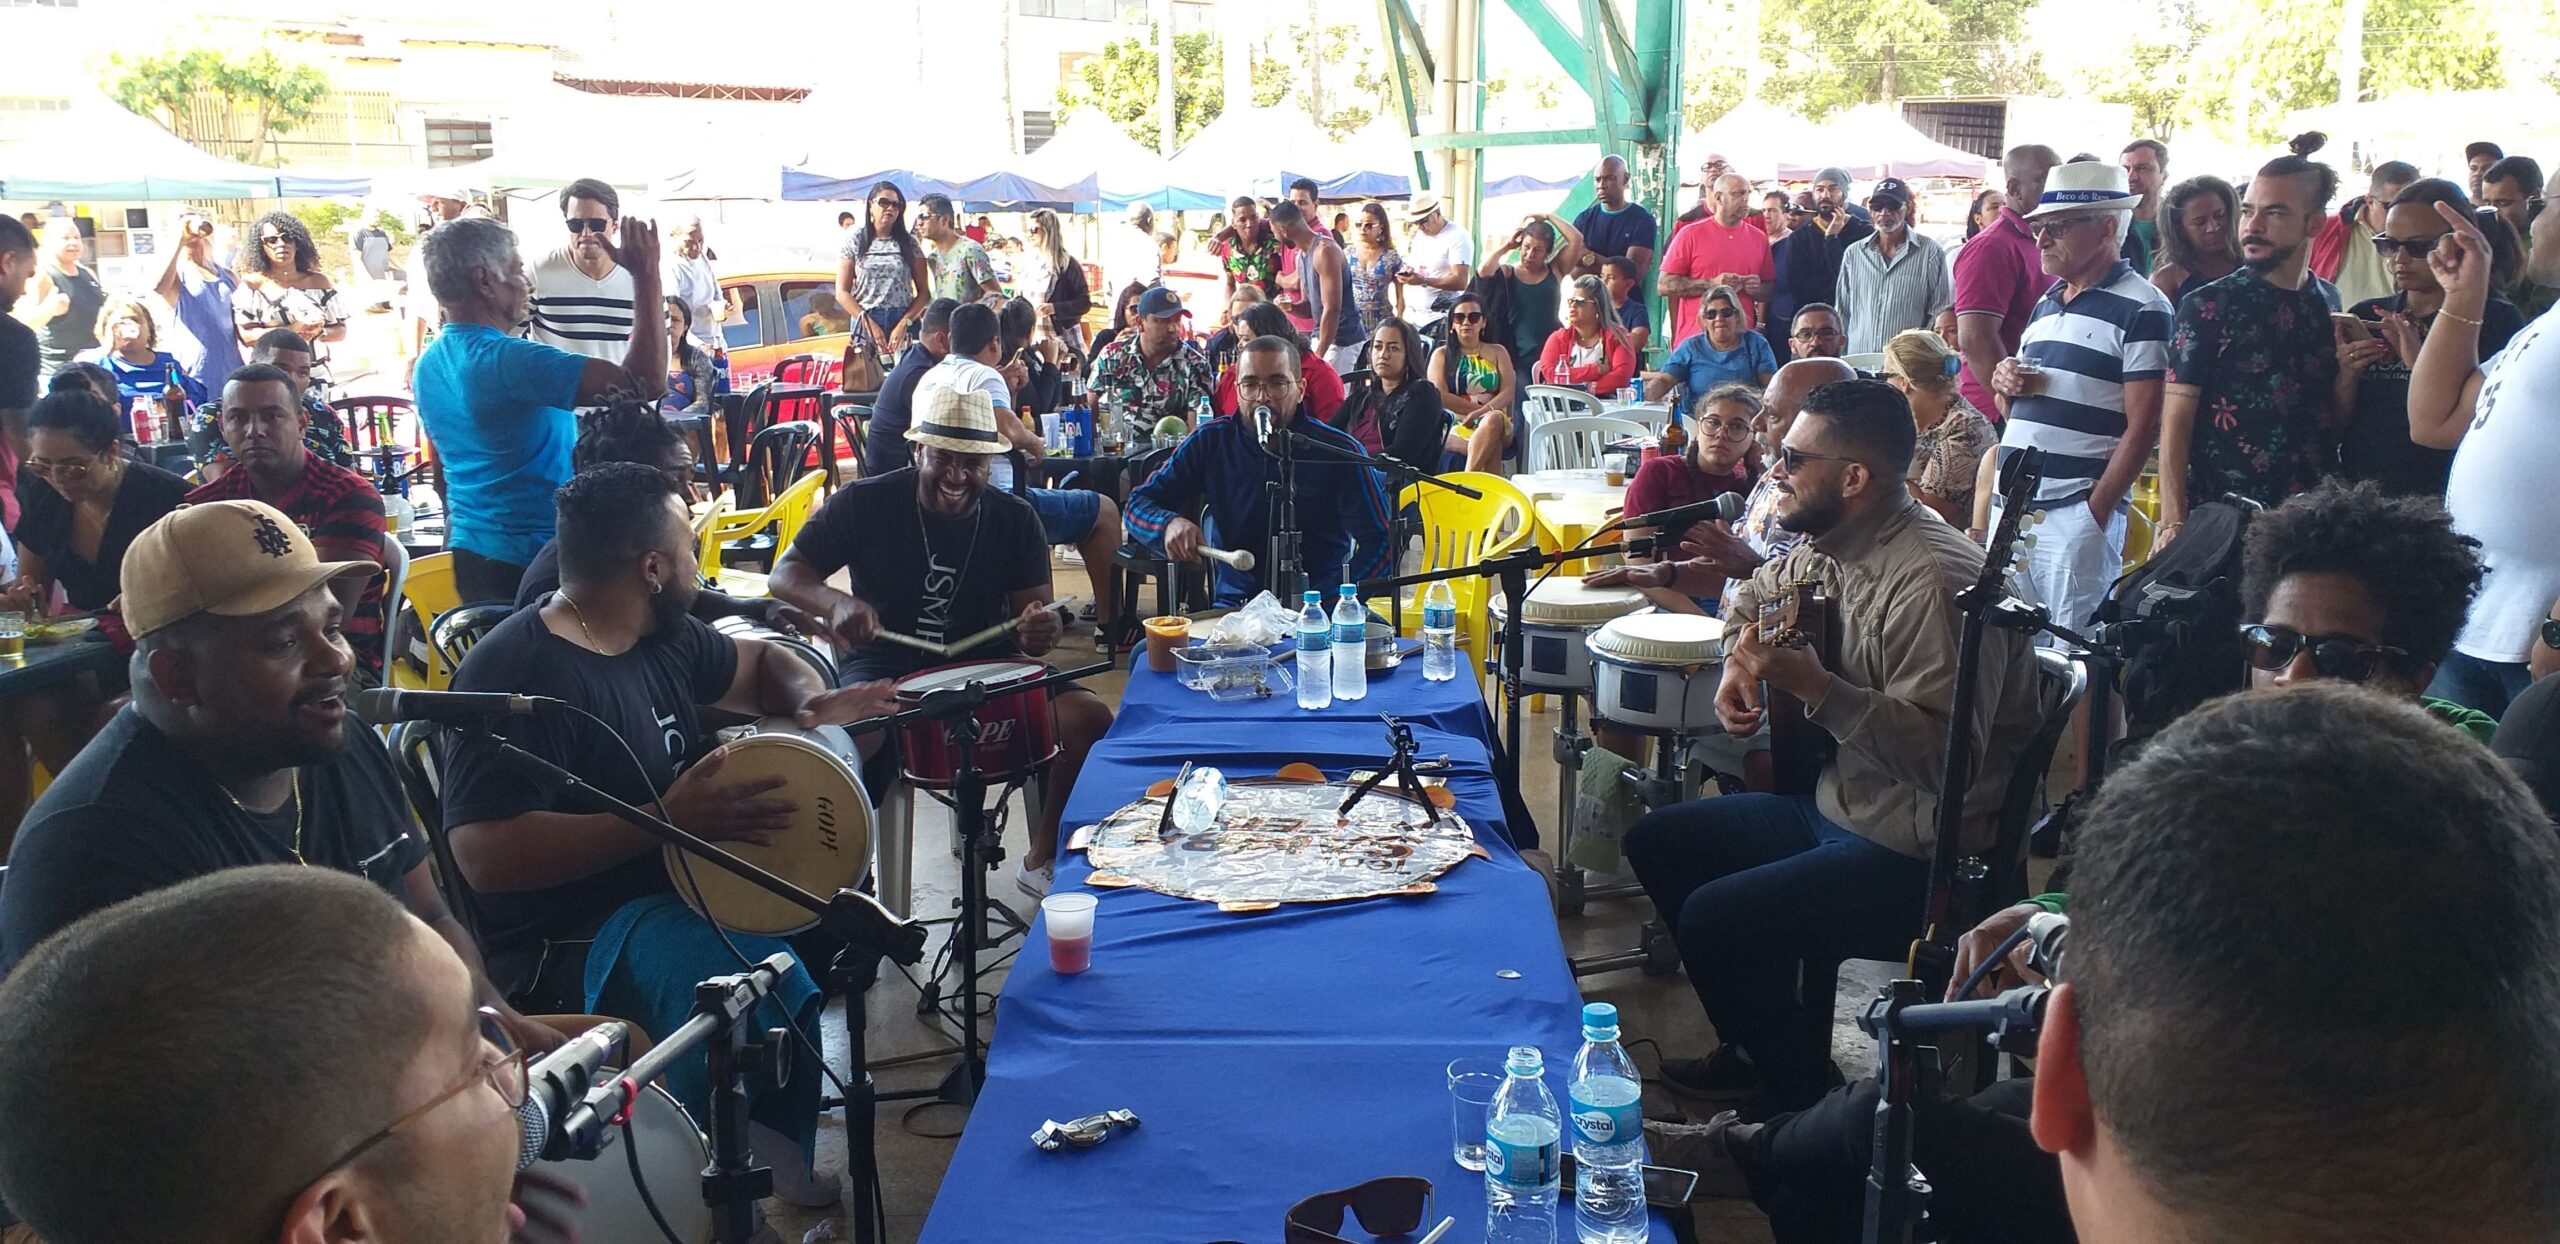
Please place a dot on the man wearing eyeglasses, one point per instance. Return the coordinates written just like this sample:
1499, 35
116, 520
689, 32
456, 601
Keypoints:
2350, 583
1341, 506
263, 1054
2372, 395
1756, 886
584, 293
1710, 171
1816, 333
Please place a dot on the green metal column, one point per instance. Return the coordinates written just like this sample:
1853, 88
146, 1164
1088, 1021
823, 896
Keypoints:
1631, 73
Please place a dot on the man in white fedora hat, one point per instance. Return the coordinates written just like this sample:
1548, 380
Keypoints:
2084, 386
933, 554
1439, 257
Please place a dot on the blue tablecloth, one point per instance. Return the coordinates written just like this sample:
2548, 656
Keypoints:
1158, 705
1271, 1056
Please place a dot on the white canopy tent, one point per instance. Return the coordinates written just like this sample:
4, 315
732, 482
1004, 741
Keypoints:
98, 149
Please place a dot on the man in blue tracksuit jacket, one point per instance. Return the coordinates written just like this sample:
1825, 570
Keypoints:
1341, 506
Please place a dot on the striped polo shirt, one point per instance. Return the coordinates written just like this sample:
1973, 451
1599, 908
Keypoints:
2114, 332
580, 314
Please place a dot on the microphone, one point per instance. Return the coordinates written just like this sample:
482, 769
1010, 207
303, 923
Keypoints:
1262, 424
384, 705
2046, 932
558, 1081
1727, 508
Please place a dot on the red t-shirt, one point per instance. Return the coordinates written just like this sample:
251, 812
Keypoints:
342, 514
1706, 250
1666, 482
2000, 273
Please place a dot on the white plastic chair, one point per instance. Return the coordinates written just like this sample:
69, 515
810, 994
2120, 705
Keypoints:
1654, 415
1574, 443
1872, 362
1542, 402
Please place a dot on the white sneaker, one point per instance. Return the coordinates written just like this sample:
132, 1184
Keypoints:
1035, 881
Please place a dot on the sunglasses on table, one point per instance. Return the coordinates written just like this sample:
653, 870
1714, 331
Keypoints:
587, 224
2414, 248
1395, 1205
2334, 656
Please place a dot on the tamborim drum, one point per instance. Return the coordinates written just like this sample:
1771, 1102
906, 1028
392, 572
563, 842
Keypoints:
1555, 626
1659, 672
740, 628
827, 848
1015, 733
672, 1156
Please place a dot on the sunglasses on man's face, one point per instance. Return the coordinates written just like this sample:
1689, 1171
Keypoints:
2343, 657
2414, 248
588, 224
1793, 459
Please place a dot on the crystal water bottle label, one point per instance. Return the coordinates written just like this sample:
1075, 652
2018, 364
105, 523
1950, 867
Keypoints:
1438, 617
1529, 1161
1352, 634
1604, 1125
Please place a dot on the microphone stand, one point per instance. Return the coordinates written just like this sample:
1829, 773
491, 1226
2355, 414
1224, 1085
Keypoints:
866, 930
733, 1182
1907, 1074
1401, 473
1511, 570
1280, 513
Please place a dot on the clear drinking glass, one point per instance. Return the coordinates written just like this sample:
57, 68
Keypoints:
1472, 1082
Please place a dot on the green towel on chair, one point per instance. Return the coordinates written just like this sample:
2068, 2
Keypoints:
1603, 808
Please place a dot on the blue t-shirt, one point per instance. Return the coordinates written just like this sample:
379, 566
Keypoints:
1700, 367
1632, 315
204, 307
498, 408
149, 379
1613, 233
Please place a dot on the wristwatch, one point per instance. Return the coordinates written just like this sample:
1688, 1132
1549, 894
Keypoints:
2551, 633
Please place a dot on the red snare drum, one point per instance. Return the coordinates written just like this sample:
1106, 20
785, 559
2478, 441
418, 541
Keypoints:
1015, 733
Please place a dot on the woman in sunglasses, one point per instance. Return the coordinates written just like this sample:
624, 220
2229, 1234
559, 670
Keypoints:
1590, 350
282, 287
1724, 353
882, 270
2372, 393
2349, 583
1477, 385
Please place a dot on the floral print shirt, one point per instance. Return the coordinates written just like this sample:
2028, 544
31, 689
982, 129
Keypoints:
1949, 456
1255, 260
1121, 372
1372, 284
2265, 359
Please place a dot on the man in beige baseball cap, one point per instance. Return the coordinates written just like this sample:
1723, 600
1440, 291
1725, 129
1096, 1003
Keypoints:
238, 748
228, 558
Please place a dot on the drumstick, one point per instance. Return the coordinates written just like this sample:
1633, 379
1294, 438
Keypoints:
920, 645
963, 645
1239, 560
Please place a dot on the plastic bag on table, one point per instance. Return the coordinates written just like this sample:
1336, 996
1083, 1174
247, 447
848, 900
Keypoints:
1263, 621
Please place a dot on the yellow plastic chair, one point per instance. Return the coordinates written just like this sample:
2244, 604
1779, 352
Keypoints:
787, 515
1459, 531
430, 593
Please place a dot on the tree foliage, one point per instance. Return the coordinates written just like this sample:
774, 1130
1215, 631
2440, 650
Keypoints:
1121, 84
234, 103
2265, 58
1827, 55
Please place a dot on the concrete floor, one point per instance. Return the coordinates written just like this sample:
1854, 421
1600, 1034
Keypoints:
915, 1143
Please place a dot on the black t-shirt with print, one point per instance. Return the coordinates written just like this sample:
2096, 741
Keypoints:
649, 698
935, 578
135, 813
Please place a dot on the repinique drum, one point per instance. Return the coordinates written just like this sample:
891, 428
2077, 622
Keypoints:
1556, 626
1015, 733
672, 1155
827, 848
1658, 672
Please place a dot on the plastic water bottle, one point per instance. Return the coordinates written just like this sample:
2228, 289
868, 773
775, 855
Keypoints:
1350, 646
1196, 804
1439, 633
1522, 1160
1315, 654
1608, 1134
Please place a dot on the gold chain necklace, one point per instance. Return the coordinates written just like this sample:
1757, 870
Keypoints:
297, 814
583, 629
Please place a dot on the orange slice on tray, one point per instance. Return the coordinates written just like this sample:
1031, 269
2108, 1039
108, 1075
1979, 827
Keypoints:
1440, 796
1161, 788
1300, 771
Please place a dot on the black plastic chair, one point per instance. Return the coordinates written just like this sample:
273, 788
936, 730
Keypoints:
415, 752
456, 630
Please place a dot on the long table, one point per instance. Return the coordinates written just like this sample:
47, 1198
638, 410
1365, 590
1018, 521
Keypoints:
1270, 1056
